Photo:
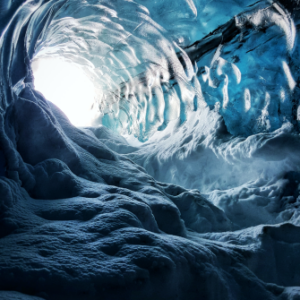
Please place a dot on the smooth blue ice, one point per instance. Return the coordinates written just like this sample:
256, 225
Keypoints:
187, 184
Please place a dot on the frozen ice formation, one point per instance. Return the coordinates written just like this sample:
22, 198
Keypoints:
187, 184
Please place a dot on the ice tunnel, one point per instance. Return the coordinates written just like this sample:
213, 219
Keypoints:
149, 150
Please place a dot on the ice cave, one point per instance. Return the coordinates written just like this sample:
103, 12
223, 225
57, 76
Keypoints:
149, 150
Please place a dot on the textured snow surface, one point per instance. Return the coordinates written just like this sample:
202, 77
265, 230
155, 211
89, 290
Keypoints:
187, 184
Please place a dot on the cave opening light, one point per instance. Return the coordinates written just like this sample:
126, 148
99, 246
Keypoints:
67, 86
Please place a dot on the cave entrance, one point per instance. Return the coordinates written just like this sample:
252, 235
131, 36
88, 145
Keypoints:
66, 85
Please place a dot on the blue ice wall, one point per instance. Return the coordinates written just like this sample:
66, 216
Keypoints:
151, 65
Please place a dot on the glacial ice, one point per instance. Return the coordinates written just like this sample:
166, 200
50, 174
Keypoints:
186, 183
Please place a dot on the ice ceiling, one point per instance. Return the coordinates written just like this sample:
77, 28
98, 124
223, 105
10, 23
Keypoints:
153, 63
179, 180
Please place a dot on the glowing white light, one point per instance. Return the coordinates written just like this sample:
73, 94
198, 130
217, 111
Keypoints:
67, 86
289, 76
225, 92
247, 97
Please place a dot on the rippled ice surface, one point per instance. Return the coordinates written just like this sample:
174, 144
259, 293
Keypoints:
152, 63
192, 65
213, 85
